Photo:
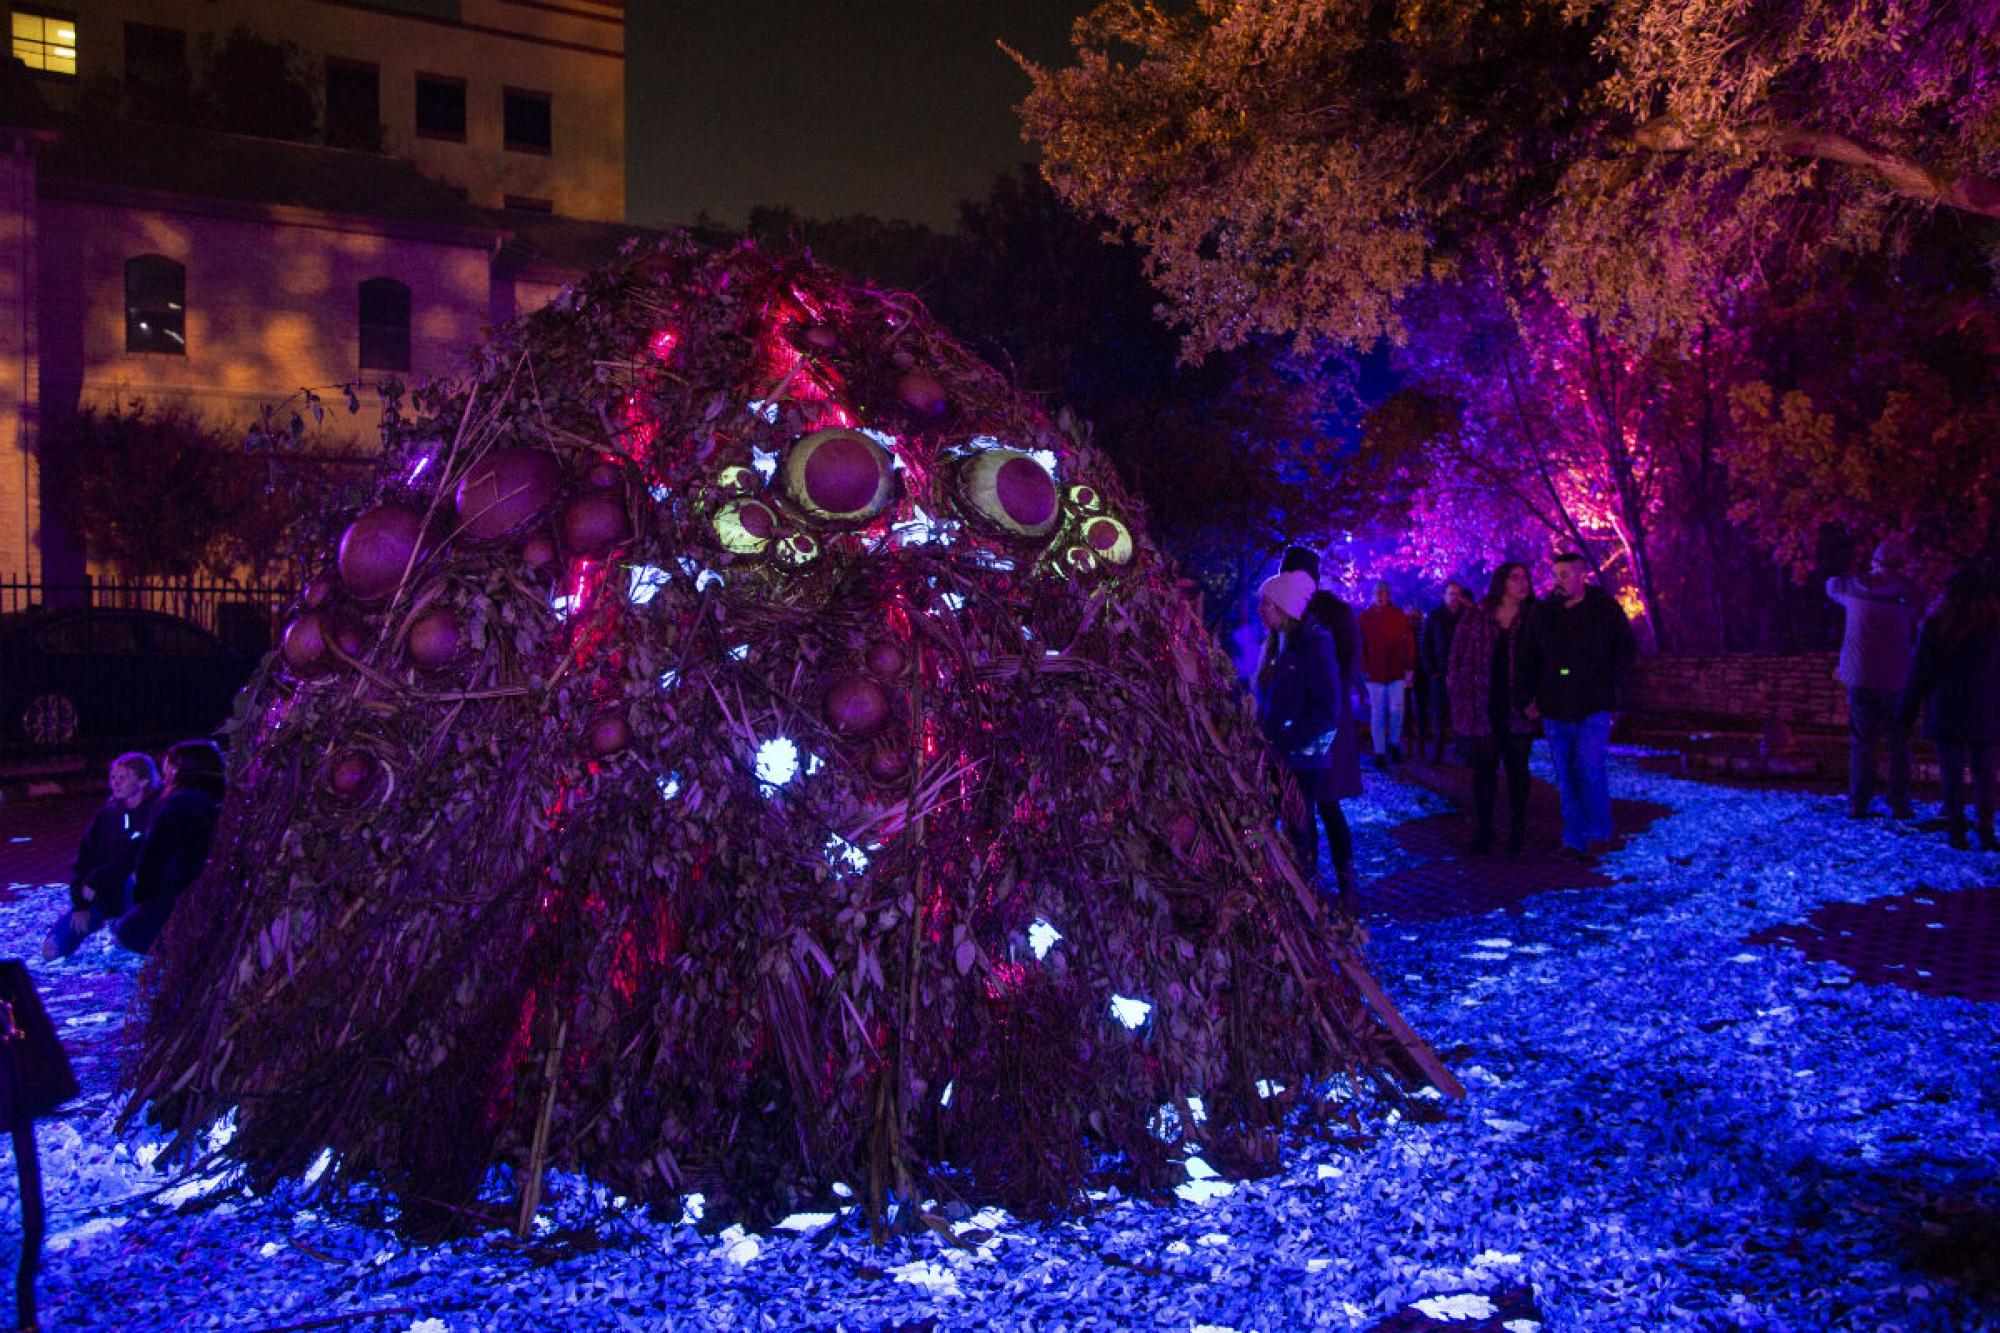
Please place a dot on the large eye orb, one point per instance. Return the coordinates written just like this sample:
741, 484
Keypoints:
1110, 539
1011, 491
840, 476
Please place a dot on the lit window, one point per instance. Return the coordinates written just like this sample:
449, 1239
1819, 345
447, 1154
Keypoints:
440, 107
45, 41
385, 325
525, 121
155, 305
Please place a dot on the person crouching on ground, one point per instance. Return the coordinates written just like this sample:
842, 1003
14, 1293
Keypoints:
1577, 648
1485, 657
1955, 682
176, 847
1388, 661
106, 856
1300, 712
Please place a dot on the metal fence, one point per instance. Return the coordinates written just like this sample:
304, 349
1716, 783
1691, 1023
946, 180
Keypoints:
80, 675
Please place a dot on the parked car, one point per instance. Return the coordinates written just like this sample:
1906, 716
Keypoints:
70, 675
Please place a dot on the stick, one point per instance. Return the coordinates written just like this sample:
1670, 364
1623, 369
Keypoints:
538, 1158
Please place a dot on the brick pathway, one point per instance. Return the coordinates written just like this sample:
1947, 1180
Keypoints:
1931, 941
1453, 882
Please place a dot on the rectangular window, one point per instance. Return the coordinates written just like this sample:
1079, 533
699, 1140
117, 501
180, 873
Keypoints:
155, 305
526, 121
385, 325
45, 41
353, 105
521, 203
440, 107
155, 57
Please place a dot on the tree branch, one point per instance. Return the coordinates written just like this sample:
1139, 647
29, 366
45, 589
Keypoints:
1902, 173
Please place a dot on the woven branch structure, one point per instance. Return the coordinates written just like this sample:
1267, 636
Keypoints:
747, 746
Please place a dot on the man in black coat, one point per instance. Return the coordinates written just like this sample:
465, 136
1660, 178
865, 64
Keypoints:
106, 856
1434, 656
1577, 649
176, 847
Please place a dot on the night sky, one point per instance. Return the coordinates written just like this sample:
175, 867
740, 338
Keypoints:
899, 108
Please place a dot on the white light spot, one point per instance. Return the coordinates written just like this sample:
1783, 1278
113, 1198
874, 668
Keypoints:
418, 470
1042, 937
777, 761
804, 1222
706, 577
766, 409
839, 851
1465, 1305
1046, 458
692, 1209
563, 605
739, 1247
659, 492
814, 764
944, 1098
1198, 1169
668, 679
669, 785
646, 581
740, 651
1132, 1013
953, 601
319, 1167
1266, 1088
1204, 1191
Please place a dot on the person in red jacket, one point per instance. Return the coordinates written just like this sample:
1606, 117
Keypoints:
1388, 665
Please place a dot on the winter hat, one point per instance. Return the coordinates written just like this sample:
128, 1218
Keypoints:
1890, 555
1289, 592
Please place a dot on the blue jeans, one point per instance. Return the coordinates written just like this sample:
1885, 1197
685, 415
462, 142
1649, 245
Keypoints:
1578, 751
1385, 714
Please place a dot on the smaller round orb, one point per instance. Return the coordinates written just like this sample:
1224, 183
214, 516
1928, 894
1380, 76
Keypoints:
505, 490
923, 394
609, 732
435, 639
886, 658
595, 524
306, 645
886, 763
855, 706
353, 775
746, 526
377, 549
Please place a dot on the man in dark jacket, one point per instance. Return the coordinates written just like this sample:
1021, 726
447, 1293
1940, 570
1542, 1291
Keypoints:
107, 854
1874, 665
1578, 646
176, 846
1434, 657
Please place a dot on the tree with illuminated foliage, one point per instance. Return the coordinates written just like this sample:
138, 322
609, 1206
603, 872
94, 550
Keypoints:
1299, 167
746, 747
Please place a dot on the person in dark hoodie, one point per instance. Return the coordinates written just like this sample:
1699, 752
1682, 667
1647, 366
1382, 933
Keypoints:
106, 856
176, 846
1955, 682
1300, 709
1577, 647
1342, 781
1434, 657
1882, 609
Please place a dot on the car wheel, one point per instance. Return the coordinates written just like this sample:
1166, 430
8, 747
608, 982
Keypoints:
49, 719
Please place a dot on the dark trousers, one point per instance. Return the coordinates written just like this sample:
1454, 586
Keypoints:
1871, 720
1440, 715
1339, 838
1422, 712
1487, 754
1952, 759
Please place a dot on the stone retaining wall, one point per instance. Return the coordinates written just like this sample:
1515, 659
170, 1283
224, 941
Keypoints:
1746, 689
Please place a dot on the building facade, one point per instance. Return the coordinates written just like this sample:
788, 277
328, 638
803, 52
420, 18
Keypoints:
218, 273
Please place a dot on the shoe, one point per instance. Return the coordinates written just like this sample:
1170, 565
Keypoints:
1395, 754
1350, 890
1516, 835
1955, 835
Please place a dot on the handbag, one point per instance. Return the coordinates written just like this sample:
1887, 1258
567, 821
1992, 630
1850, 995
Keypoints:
35, 1075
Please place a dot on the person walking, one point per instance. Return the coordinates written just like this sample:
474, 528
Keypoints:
107, 854
1485, 660
1577, 647
176, 846
1388, 661
1954, 681
1417, 704
1434, 656
1881, 610
1300, 711
1343, 781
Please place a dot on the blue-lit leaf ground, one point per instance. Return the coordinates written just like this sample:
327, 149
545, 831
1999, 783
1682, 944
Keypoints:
1668, 1128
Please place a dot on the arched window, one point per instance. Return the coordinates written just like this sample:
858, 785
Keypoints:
155, 305
385, 325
